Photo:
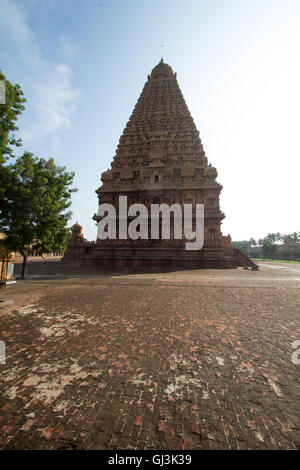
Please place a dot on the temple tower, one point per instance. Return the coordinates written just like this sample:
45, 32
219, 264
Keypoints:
160, 159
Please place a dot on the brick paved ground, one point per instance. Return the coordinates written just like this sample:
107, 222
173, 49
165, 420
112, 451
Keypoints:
182, 360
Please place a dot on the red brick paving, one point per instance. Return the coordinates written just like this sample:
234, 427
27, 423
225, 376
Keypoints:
183, 360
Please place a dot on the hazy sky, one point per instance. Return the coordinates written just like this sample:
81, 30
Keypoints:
83, 66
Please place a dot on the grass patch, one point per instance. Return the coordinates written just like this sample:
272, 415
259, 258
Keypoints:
276, 260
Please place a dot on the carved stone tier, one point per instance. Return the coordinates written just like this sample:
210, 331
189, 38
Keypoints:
160, 159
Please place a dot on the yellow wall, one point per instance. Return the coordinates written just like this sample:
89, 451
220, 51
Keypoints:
6, 259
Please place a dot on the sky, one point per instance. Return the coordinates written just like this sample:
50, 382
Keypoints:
82, 65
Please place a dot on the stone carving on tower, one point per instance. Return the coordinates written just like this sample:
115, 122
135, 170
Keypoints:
160, 159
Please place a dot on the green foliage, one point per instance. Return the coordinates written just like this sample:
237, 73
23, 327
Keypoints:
33, 211
286, 239
244, 245
34, 193
272, 245
296, 237
273, 237
269, 249
9, 113
291, 238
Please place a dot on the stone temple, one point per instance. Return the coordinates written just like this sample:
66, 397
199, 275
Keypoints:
160, 159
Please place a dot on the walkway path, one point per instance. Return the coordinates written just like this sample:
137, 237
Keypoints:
182, 360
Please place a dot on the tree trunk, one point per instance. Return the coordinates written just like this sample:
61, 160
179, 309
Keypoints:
24, 266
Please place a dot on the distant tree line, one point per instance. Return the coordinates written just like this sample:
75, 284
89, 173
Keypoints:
272, 246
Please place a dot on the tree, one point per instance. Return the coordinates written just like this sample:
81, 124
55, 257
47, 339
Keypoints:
296, 237
33, 213
269, 249
9, 112
273, 237
244, 245
288, 240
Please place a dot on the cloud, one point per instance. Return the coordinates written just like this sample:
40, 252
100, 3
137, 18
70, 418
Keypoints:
54, 101
68, 49
47, 84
